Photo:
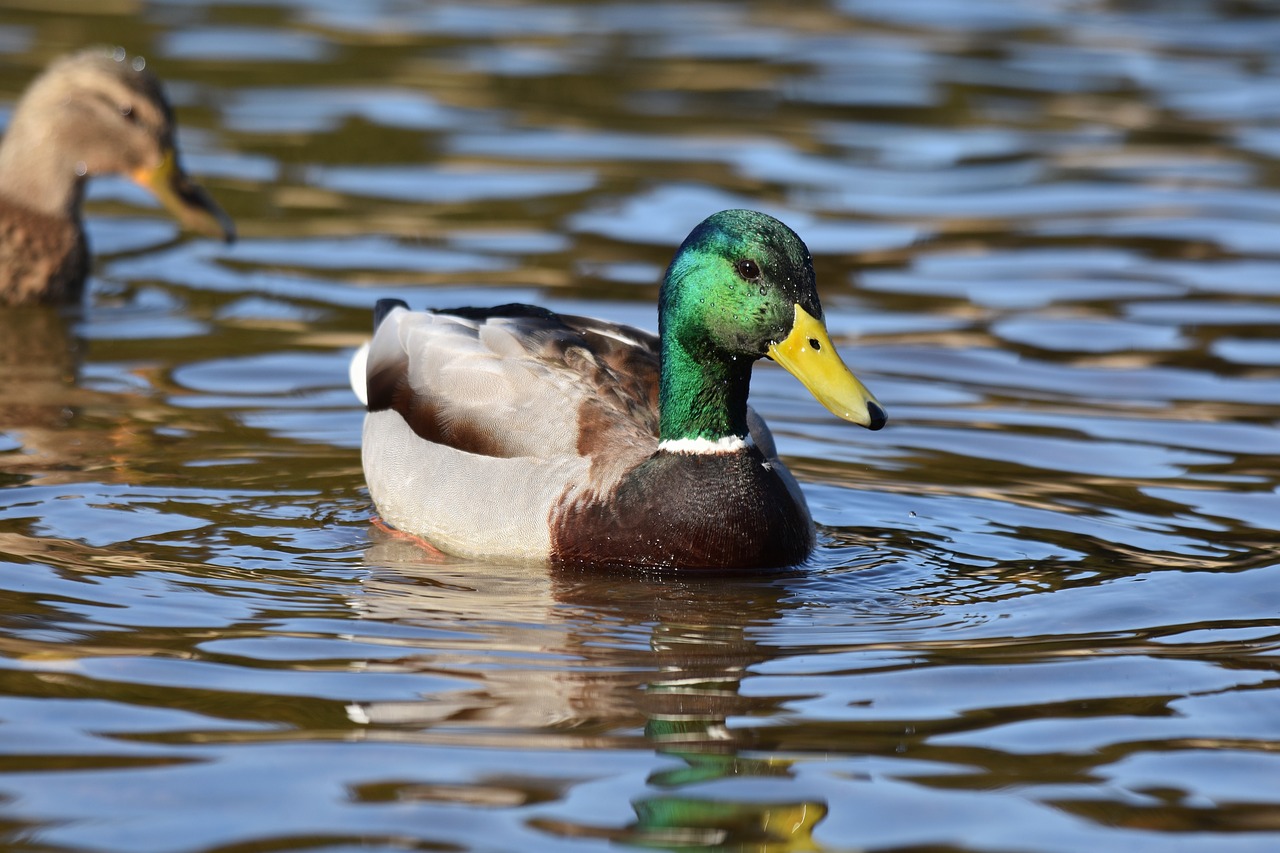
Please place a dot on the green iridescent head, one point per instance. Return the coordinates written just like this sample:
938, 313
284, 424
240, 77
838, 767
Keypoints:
741, 288
734, 283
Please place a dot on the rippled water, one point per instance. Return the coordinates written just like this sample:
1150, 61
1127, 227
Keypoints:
1045, 614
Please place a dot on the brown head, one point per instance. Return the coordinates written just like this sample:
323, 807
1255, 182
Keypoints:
99, 112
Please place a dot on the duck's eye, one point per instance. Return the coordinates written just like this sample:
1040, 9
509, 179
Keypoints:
126, 110
748, 269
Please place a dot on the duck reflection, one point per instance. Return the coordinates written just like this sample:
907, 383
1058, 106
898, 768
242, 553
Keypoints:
616, 661
52, 428
39, 363
686, 718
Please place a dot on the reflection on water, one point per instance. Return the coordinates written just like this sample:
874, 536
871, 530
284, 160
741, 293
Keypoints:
618, 663
1043, 615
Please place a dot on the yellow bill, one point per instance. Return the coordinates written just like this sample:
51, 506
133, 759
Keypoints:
808, 355
189, 202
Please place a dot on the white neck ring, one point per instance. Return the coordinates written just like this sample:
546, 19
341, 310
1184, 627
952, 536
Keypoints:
704, 446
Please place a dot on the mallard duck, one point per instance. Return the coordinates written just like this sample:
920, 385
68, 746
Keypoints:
514, 433
91, 113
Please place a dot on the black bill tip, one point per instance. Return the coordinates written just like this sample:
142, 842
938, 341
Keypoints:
878, 416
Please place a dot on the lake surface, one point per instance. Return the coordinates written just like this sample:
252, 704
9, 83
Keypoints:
1045, 611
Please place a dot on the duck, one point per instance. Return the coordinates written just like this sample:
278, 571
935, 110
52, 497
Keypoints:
95, 112
514, 433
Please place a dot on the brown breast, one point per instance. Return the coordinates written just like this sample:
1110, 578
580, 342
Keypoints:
42, 258
714, 512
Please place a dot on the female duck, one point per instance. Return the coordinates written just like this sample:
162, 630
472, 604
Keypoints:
91, 113
516, 433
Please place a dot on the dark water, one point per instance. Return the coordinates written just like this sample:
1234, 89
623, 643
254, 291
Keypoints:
1045, 615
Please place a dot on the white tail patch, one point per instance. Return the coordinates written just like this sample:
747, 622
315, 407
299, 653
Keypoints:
726, 444
358, 373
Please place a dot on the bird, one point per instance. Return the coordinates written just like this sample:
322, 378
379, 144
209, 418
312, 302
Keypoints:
94, 112
513, 433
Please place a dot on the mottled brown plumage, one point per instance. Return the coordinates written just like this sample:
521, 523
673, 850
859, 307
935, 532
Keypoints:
43, 258
91, 113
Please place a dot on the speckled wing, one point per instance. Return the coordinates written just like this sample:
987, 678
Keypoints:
515, 380
480, 419
42, 258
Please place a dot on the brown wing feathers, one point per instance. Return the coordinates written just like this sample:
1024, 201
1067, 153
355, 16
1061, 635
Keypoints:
602, 379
